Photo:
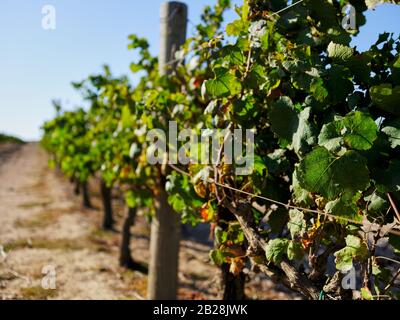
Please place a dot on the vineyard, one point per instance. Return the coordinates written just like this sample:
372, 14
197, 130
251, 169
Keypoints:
307, 207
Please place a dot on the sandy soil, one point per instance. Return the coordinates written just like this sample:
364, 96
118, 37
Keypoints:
42, 225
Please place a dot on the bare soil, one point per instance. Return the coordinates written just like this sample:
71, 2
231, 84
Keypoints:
43, 225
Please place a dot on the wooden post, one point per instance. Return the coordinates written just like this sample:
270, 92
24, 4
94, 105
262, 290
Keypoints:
173, 19
165, 227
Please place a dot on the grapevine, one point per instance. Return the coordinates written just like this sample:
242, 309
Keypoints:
325, 185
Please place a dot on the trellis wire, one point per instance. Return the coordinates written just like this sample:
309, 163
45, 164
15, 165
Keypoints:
288, 206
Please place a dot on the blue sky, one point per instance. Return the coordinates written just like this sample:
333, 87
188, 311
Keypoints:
37, 66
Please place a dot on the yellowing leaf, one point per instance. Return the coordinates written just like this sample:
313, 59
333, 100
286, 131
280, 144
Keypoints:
236, 266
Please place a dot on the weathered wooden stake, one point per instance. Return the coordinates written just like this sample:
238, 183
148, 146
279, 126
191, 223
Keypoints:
165, 227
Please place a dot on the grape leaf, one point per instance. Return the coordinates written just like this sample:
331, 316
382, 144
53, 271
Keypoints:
330, 136
344, 208
339, 52
331, 176
377, 204
217, 257
389, 180
386, 98
276, 250
305, 133
371, 4
355, 250
284, 119
292, 126
392, 130
366, 294
394, 241
224, 84
296, 223
357, 130
361, 131
294, 250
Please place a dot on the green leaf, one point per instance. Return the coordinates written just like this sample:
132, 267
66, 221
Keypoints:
389, 180
276, 249
223, 85
235, 28
392, 130
177, 202
294, 251
339, 52
245, 10
339, 83
355, 250
284, 119
221, 236
126, 117
377, 205
318, 89
292, 126
277, 162
217, 257
361, 131
259, 166
357, 130
296, 224
344, 259
304, 136
330, 136
358, 244
135, 67
386, 98
301, 196
331, 176
257, 78
371, 4
366, 294
344, 208
130, 199
394, 241
396, 71
277, 220
360, 67
233, 54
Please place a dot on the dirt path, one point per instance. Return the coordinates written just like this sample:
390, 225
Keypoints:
42, 226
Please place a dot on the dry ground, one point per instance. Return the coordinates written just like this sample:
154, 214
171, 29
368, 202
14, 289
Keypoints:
43, 224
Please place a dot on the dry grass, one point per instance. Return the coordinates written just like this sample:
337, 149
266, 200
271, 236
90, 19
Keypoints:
44, 243
103, 241
98, 240
37, 293
136, 283
30, 205
41, 220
